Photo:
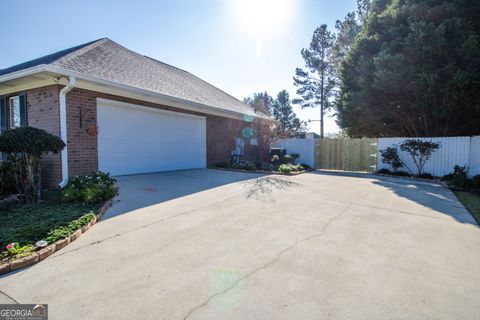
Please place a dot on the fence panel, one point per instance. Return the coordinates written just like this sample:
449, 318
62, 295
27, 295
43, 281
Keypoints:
346, 154
304, 147
463, 151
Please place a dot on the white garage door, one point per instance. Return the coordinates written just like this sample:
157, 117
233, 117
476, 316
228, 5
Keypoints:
135, 139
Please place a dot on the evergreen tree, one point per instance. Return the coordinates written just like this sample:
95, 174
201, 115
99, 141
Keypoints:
287, 123
317, 82
414, 70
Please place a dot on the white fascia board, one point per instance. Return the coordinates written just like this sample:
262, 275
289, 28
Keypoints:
23, 73
146, 95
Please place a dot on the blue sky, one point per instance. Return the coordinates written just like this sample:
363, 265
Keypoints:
240, 46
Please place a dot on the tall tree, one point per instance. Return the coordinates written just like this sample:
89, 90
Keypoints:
287, 123
346, 32
414, 71
260, 102
317, 82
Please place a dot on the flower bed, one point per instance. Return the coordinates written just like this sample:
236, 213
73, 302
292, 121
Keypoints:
32, 232
16, 256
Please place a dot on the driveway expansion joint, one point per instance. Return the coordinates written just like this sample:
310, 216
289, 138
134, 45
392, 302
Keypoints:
8, 297
268, 264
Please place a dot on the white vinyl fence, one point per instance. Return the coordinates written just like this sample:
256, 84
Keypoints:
304, 147
462, 151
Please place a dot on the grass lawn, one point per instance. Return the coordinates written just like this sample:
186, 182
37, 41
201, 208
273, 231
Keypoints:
27, 224
471, 201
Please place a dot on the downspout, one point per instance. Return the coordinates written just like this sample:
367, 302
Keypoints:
63, 128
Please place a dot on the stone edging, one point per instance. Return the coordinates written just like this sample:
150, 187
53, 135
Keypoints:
293, 173
437, 181
42, 254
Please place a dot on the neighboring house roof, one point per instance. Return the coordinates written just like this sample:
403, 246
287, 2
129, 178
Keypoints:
107, 60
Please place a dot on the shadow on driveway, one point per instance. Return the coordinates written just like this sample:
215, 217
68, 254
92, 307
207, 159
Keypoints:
427, 194
139, 191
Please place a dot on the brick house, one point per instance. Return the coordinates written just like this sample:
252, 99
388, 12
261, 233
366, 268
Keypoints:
125, 113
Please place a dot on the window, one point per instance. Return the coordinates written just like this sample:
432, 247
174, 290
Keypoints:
13, 112
15, 117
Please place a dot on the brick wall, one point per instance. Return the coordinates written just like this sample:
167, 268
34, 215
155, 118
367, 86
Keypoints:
43, 112
81, 132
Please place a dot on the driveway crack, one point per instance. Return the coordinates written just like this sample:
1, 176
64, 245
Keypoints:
8, 296
142, 227
268, 264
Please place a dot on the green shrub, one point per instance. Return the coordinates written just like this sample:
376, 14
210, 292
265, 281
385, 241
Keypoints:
390, 156
7, 179
26, 146
14, 250
275, 160
476, 182
245, 165
305, 166
65, 231
401, 174
426, 176
420, 151
384, 171
94, 188
459, 178
268, 167
285, 168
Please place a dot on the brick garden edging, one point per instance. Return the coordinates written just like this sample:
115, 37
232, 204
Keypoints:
293, 173
42, 254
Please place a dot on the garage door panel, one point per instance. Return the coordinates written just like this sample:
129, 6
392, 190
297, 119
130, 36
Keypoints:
134, 139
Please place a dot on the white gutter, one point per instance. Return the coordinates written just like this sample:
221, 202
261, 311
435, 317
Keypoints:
63, 128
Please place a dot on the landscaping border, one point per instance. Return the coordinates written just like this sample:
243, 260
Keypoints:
43, 253
436, 181
293, 173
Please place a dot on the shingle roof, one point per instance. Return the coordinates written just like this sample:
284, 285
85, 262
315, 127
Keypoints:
107, 60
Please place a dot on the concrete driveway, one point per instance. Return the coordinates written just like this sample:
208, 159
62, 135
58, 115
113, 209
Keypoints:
208, 244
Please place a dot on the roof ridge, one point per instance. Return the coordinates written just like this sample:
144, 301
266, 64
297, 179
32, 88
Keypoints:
83, 48
167, 64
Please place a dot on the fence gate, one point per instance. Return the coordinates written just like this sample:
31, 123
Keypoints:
346, 154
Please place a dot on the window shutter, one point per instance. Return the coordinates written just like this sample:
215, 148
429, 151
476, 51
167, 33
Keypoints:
3, 114
23, 111
3, 122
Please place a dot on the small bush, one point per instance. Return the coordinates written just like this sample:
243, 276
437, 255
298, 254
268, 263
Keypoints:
390, 156
420, 151
384, 171
26, 146
285, 168
97, 187
268, 167
63, 232
401, 174
476, 182
245, 165
305, 166
288, 159
426, 176
221, 165
14, 250
289, 168
275, 160
459, 178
